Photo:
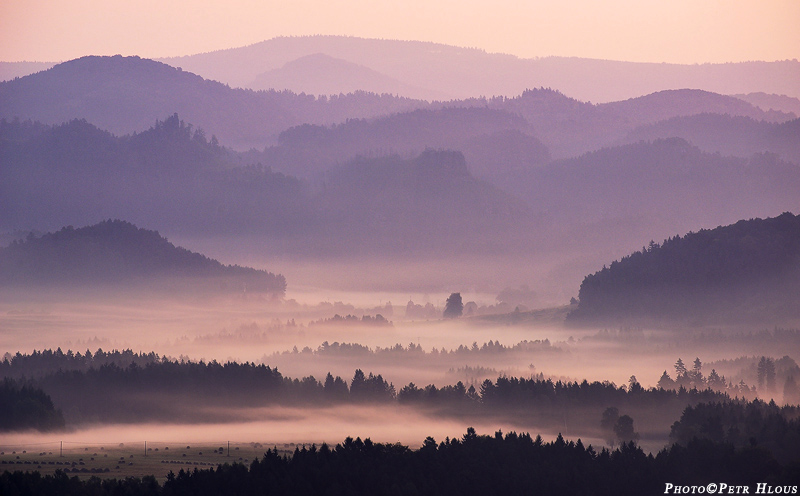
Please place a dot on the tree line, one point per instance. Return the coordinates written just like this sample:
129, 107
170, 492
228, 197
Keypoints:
499, 464
125, 386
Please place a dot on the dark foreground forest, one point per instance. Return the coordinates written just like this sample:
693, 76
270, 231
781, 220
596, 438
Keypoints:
503, 464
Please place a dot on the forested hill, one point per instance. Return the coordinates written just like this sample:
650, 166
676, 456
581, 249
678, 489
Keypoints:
171, 177
126, 94
747, 270
117, 252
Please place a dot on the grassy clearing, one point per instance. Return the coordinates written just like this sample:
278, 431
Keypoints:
127, 460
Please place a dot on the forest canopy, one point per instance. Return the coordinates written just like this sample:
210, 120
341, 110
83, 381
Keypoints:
747, 269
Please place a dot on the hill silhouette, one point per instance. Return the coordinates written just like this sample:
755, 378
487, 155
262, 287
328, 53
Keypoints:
482, 134
729, 135
748, 270
169, 177
320, 74
460, 72
116, 252
431, 201
127, 94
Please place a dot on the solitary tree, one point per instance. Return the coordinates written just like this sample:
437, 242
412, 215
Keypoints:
608, 421
623, 428
454, 307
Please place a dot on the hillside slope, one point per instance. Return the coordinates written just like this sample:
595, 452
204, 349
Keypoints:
748, 271
118, 253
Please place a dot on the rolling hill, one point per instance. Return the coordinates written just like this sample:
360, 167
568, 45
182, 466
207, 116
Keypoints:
117, 253
746, 271
460, 73
127, 94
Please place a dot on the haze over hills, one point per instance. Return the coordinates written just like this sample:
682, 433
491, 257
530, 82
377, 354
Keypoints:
570, 127
170, 176
308, 150
664, 186
117, 253
11, 70
738, 136
320, 74
127, 94
767, 101
459, 73
558, 158
427, 202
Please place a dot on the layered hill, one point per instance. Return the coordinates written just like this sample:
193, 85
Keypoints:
728, 135
127, 94
430, 200
170, 177
320, 74
174, 179
490, 140
748, 270
459, 73
570, 127
118, 253
619, 195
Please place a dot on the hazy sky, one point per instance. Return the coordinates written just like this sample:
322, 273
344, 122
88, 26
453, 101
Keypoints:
683, 31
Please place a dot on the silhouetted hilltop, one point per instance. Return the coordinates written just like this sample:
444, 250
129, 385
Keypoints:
570, 127
660, 186
320, 74
461, 72
170, 176
117, 252
671, 103
750, 269
127, 94
729, 135
483, 134
431, 199
767, 101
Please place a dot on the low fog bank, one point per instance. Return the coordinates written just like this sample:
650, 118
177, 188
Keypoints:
553, 276
276, 426
309, 339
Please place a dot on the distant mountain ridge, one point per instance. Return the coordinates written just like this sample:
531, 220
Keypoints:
460, 73
320, 74
729, 135
117, 252
308, 150
127, 94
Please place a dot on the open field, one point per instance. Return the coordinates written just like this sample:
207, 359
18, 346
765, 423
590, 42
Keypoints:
127, 459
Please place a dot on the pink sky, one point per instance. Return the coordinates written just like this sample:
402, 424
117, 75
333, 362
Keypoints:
680, 31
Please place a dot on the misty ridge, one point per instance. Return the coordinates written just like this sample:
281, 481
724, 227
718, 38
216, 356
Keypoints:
118, 253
